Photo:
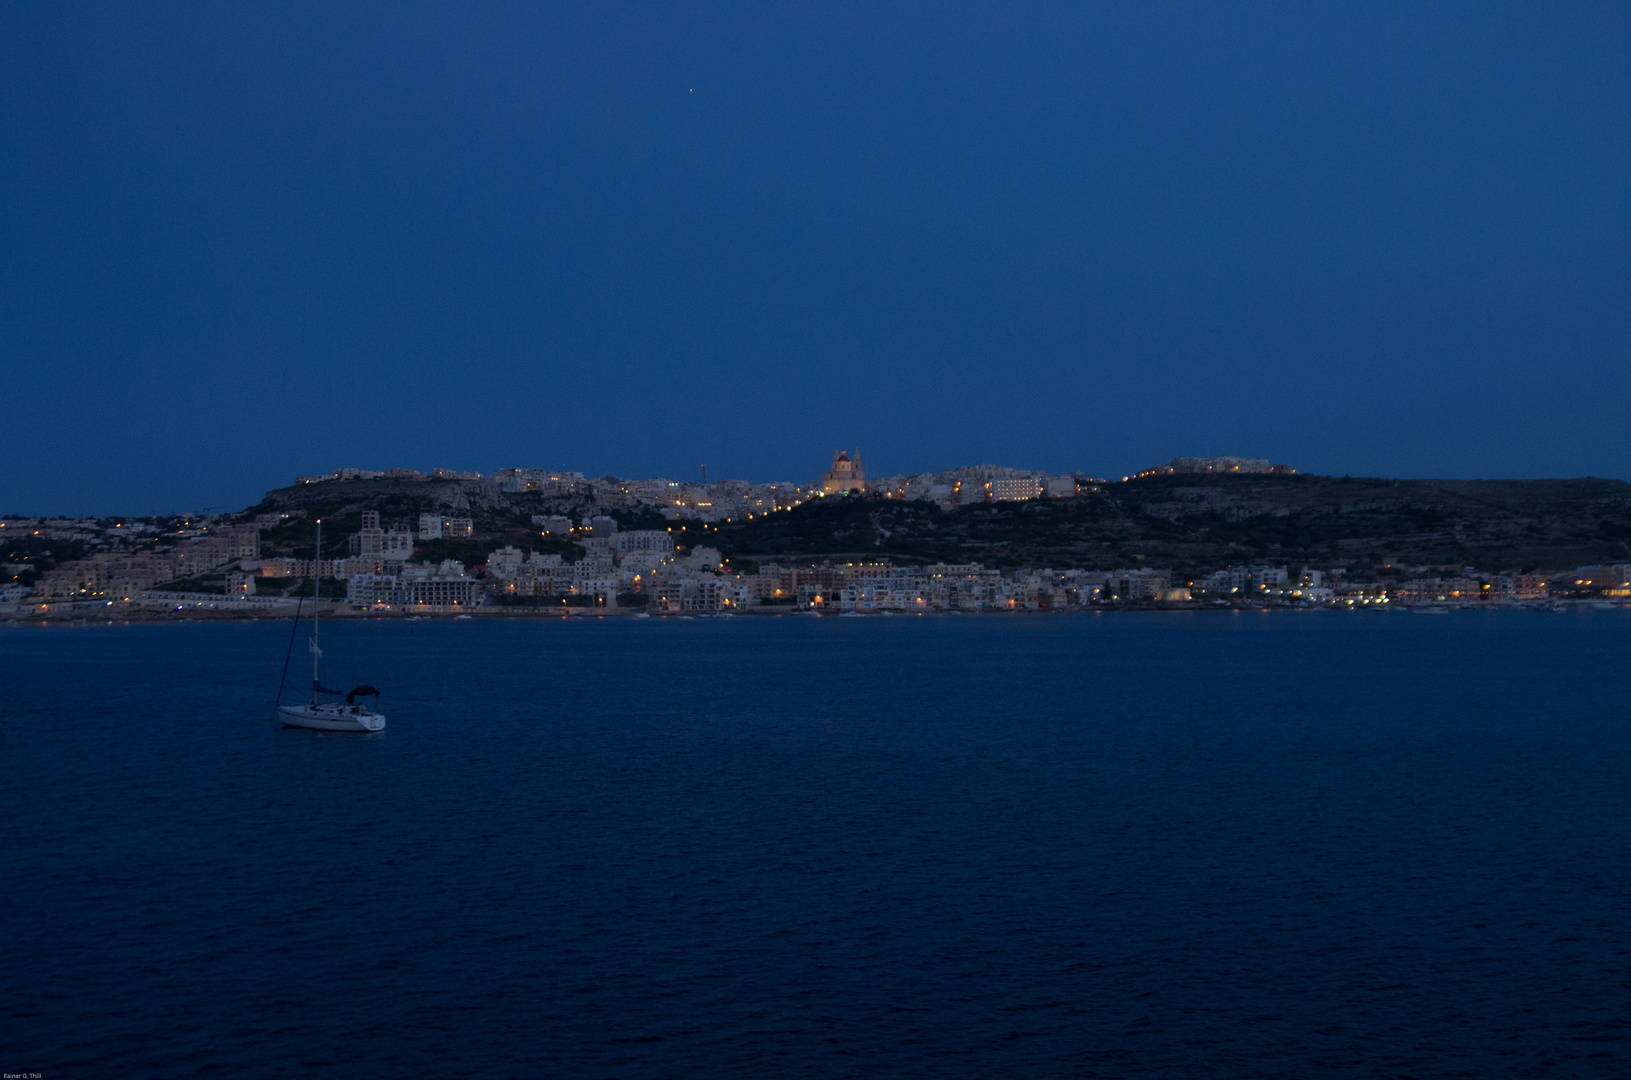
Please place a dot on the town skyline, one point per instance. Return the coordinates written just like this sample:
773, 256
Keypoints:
807, 476
1221, 531
809, 473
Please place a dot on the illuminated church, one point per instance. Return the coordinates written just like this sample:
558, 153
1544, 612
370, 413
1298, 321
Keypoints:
846, 474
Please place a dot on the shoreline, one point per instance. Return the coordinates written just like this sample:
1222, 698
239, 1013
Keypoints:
90, 613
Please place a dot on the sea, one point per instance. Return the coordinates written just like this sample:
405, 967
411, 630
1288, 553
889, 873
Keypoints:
1230, 844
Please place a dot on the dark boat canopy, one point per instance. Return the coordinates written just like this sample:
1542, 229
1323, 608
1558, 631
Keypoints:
362, 691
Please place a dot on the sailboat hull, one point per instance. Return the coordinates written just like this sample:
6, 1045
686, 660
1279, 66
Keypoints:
330, 718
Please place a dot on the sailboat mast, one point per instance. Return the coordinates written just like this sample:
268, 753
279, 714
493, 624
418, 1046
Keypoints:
317, 602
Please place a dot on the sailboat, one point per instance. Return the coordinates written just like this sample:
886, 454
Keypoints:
350, 715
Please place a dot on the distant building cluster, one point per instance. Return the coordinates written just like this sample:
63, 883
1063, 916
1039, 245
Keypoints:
737, 500
733, 499
984, 484
388, 474
1406, 585
1220, 465
647, 566
131, 556
613, 563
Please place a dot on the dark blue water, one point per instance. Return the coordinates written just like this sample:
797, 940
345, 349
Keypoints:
1193, 846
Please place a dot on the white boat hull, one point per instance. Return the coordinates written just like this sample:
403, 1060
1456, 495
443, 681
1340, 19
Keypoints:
331, 717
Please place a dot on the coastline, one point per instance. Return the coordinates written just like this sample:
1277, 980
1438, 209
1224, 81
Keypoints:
105, 613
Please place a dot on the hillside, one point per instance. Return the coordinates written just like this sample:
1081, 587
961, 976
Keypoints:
1199, 523
1191, 524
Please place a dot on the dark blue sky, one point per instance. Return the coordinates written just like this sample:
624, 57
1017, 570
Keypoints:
241, 242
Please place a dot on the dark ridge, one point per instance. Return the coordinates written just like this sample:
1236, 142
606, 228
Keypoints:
1188, 522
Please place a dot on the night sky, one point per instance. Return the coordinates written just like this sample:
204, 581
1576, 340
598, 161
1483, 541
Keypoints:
244, 242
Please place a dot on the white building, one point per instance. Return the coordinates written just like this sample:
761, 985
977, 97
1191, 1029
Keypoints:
553, 523
1263, 577
642, 562
504, 563
703, 558
441, 591
646, 542
441, 586
1141, 584
594, 566
381, 545
601, 588
1013, 488
1230, 581
371, 588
